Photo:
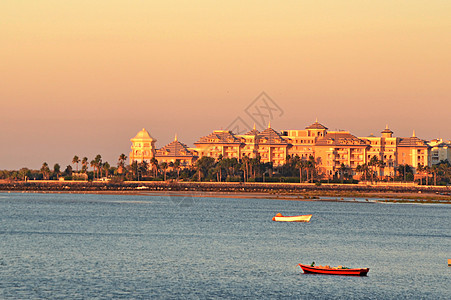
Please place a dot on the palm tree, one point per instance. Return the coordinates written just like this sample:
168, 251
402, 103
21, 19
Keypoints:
434, 171
301, 164
84, 164
358, 169
106, 168
380, 164
121, 160
373, 163
363, 169
94, 166
311, 165
218, 171
255, 164
405, 169
121, 164
342, 170
246, 161
177, 167
427, 170
154, 163
230, 164
164, 166
133, 170
171, 165
143, 167
76, 160
56, 170
68, 170
98, 163
45, 170
444, 171
420, 170
219, 166
204, 164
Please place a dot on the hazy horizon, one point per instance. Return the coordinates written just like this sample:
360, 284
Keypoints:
82, 78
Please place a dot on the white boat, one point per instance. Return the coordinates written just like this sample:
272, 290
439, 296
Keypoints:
301, 218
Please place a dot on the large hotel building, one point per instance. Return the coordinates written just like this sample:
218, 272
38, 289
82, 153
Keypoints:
330, 149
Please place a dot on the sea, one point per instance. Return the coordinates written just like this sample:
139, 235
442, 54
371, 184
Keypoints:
92, 246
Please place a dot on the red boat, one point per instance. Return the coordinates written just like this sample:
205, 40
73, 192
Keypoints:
334, 271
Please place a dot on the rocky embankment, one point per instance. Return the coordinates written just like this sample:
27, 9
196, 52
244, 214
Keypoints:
272, 188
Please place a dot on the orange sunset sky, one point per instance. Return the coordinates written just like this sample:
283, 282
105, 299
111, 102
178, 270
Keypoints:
83, 77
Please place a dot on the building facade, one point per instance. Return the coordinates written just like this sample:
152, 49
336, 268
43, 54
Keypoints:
269, 145
143, 147
440, 151
219, 143
339, 150
332, 151
303, 141
413, 151
176, 151
384, 148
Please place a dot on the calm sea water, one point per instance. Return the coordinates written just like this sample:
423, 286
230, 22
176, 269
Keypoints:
62, 246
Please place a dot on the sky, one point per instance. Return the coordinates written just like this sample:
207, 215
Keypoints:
83, 77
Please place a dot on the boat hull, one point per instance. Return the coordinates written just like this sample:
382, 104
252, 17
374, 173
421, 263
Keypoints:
334, 271
302, 218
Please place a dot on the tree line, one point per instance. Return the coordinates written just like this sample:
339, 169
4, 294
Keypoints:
81, 172
247, 169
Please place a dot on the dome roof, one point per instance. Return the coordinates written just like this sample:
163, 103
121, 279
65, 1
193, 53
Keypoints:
143, 135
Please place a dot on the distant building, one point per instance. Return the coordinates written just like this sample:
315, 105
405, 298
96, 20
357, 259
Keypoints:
413, 151
176, 151
250, 140
143, 147
219, 143
269, 145
331, 150
337, 149
440, 151
302, 142
384, 148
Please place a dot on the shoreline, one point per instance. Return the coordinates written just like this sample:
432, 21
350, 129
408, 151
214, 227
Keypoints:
277, 191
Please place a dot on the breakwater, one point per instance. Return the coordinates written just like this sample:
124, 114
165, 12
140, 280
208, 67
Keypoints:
279, 188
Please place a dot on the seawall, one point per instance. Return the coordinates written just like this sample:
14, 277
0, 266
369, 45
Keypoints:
273, 188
